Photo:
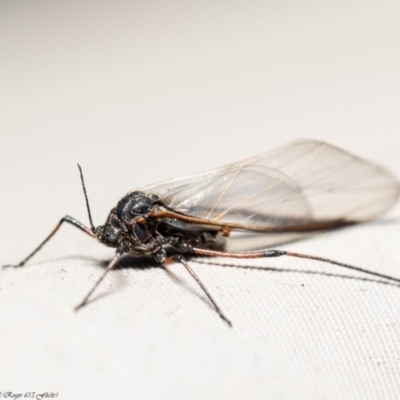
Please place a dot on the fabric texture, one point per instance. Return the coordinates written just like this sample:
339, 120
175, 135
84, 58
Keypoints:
138, 92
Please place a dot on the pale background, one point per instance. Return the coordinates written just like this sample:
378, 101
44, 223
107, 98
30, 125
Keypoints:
142, 91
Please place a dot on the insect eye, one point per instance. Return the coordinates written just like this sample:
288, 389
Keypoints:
141, 206
111, 238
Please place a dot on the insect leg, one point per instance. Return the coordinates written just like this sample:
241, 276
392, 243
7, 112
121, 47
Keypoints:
279, 253
180, 259
67, 219
111, 266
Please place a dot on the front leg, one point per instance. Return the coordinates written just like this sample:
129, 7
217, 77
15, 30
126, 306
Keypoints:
111, 266
69, 220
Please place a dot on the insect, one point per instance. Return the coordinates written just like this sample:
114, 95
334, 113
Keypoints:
305, 186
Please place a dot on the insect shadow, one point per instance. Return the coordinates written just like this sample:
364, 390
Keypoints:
128, 262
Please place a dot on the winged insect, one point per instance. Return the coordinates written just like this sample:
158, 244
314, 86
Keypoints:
305, 186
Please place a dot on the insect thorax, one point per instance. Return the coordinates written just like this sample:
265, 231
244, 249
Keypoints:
130, 229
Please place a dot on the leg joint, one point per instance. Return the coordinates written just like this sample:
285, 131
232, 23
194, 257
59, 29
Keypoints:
274, 253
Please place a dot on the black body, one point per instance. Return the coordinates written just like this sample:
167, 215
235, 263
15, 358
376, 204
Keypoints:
131, 228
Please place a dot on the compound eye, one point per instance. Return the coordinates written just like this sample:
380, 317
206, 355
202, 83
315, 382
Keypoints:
141, 206
111, 238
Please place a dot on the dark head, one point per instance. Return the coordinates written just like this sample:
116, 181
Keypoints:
127, 228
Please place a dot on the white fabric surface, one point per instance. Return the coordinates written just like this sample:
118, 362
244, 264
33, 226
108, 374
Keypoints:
139, 92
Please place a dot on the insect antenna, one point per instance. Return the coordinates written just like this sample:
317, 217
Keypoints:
92, 227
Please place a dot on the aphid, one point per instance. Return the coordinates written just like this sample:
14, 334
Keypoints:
303, 187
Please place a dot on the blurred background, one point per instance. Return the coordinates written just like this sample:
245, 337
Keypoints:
140, 91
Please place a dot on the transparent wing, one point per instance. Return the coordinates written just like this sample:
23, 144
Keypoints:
298, 184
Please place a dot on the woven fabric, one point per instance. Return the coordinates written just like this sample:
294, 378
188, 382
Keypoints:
144, 91
301, 329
